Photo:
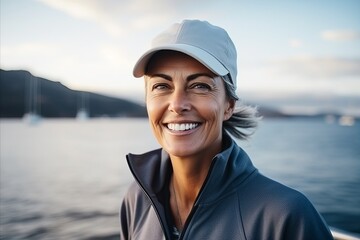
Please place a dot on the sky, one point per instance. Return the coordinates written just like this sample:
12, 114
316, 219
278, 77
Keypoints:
291, 54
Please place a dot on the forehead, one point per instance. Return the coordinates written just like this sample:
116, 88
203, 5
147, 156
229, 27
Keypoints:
174, 61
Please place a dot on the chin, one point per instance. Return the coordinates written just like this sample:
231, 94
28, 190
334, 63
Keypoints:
181, 151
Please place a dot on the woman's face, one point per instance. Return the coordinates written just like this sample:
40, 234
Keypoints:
186, 104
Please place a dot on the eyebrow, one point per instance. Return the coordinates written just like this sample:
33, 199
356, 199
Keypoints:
188, 78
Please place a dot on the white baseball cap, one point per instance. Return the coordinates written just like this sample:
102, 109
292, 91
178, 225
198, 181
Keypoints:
208, 44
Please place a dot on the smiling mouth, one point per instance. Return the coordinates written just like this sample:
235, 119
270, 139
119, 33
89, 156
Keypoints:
182, 126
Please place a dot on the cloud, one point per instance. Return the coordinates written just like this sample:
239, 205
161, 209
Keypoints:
120, 17
340, 35
309, 67
31, 49
92, 10
295, 43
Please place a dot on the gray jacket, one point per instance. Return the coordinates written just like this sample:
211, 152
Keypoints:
235, 202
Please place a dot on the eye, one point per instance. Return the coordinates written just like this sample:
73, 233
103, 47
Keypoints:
160, 86
201, 87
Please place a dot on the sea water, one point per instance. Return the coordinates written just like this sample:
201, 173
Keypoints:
64, 179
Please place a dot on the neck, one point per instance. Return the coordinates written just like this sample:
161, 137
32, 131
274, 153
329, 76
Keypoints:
189, 176
187, 180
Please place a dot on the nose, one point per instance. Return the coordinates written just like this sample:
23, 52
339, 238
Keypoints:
179, 102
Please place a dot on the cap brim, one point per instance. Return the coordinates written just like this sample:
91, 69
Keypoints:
200, 55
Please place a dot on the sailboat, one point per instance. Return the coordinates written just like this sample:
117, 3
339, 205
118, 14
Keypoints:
83, 105
32, 116
347, 120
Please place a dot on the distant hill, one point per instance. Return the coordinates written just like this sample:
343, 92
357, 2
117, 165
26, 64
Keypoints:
21, 92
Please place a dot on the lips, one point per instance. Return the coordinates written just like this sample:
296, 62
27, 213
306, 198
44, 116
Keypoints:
182, 126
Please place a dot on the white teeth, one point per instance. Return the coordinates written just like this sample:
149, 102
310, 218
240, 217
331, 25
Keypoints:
182, 126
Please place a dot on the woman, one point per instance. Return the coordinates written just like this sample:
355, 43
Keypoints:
201, 184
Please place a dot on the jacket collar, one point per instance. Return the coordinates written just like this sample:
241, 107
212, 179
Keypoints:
230, 168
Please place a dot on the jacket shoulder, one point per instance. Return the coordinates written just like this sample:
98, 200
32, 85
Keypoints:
267, 195
281, 211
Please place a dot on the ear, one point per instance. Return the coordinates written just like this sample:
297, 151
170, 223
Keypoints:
229, 109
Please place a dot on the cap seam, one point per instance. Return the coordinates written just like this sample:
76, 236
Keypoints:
178, 33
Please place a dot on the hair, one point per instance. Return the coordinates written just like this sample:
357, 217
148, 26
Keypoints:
244, 120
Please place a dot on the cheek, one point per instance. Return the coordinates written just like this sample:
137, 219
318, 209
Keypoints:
151, 109
211, 112
154, 110
215, 109
153, 116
